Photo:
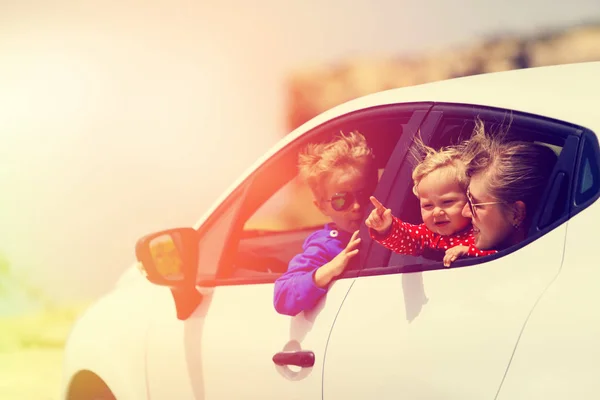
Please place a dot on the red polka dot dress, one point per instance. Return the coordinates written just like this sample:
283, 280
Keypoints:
405, 238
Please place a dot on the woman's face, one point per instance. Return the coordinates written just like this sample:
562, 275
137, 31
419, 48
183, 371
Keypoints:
493, 224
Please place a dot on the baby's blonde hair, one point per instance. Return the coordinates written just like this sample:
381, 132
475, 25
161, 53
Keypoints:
428, 160
318, 160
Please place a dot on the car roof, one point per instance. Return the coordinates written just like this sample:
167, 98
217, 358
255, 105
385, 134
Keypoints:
567, 92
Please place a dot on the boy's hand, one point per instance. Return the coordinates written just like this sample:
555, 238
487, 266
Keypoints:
340, 262
335, 267
453, 253
380, 218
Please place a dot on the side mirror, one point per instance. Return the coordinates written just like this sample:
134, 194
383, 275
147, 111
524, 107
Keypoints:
169, 257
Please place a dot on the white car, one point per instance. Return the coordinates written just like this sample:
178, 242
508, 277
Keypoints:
520, 324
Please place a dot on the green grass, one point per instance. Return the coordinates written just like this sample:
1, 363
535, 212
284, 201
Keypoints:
47, 328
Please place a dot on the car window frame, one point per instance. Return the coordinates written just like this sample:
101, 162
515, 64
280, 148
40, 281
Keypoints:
418, 112
435, 118
371, 253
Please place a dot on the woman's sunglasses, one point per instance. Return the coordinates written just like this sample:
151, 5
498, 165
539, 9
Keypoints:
344, 200
473, 206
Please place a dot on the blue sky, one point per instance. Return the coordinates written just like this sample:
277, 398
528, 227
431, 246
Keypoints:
115, 118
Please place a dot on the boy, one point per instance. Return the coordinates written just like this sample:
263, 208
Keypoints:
341, 175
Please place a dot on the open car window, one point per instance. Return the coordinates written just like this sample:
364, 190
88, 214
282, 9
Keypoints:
277, 212
450, 124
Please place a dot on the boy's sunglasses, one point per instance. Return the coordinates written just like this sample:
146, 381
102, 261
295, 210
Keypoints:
344, 200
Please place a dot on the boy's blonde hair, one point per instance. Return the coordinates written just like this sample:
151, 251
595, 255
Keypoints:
428, 160
318, 160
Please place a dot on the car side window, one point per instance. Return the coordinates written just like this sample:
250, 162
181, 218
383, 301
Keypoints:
214, 234
455, 125
277, 212
290, 208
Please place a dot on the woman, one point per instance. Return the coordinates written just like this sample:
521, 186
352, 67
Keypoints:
507, 181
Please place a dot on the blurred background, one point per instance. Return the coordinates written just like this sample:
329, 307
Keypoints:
121, 118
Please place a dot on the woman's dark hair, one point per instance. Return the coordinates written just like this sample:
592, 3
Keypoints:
515, 170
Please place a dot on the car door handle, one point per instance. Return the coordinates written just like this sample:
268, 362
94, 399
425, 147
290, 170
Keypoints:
302, 359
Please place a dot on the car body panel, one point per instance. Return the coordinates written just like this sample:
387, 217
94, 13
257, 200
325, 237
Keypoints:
437, 334
225, 349
558, 355
109, 339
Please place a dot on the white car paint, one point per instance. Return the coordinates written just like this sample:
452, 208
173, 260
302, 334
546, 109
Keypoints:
224, 350
567, 321
132, 339
438, 334
109, 339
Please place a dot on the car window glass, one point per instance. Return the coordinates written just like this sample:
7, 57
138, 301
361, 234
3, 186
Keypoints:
290, 208
213, 238
278, 211
587, 177
589, 174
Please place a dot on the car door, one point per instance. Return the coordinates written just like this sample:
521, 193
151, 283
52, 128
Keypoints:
558, 355
411, 328
234, 344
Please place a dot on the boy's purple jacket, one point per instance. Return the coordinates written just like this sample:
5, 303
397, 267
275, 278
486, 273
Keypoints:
295, 290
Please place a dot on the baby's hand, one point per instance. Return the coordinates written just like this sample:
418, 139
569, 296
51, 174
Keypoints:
453, 253
380, 218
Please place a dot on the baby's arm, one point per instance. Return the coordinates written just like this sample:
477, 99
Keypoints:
475, 252
453, 253
402, 238
392, 233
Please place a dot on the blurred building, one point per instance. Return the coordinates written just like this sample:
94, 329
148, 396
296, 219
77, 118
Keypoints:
312, 91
